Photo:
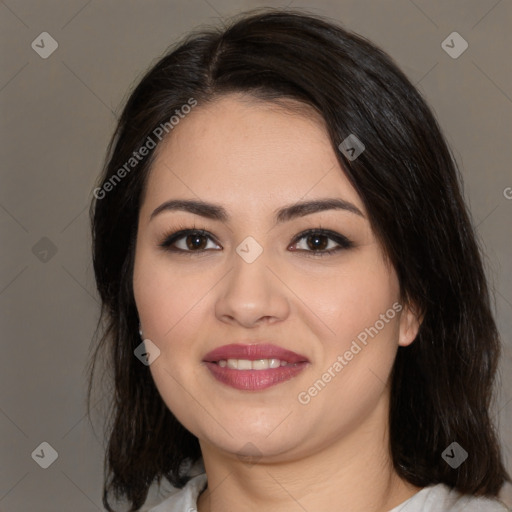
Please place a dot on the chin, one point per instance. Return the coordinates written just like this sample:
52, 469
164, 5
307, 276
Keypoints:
254, 449
248, 440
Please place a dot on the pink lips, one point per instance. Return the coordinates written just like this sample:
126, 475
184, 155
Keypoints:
253, 380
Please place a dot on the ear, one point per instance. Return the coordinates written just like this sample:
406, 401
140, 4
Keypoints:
410, 321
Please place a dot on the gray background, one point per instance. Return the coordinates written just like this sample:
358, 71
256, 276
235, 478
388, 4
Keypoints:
57, 116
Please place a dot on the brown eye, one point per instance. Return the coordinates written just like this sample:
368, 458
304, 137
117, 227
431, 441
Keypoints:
194, 242
320, 242
190, 241
317, 242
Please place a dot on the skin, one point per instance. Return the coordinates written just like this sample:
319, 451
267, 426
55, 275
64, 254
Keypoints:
264, 449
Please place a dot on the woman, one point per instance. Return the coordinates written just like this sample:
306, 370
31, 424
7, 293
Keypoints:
293, 296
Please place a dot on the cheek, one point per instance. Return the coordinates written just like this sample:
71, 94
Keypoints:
171, 311
362, 307
344, 302
172, 307
354, 364
165, 297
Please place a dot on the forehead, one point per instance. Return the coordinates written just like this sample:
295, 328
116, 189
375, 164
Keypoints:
241, 150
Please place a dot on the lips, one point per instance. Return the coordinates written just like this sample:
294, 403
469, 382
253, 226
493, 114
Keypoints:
230, 373
253, 353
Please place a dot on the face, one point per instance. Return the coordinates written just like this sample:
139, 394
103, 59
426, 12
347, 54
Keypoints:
302, 297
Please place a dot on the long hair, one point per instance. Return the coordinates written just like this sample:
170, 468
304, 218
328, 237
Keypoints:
442, 384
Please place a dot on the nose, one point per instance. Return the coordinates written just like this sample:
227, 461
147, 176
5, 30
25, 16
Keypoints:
251, 294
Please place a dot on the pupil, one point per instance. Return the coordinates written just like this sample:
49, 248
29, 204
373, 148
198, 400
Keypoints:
195, 242
315, 245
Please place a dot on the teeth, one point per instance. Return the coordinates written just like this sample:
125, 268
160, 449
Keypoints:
245, 364
260, 364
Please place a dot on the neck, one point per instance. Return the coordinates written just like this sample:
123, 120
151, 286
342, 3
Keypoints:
354, 473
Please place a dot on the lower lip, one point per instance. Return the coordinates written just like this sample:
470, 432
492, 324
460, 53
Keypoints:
254, 380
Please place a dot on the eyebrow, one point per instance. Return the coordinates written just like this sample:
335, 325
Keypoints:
287, 213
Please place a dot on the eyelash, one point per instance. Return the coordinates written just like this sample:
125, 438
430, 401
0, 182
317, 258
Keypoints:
172, 237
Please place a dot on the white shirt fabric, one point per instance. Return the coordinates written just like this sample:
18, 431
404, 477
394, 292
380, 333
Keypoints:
435, 498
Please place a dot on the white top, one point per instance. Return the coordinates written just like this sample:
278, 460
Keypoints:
435, 498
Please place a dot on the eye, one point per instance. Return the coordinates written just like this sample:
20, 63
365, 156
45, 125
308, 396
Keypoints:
321, 242
317, 242
188, 240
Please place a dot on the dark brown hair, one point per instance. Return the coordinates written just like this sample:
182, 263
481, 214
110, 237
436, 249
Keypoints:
442, 384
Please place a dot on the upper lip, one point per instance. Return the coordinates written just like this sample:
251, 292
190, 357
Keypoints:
253, 352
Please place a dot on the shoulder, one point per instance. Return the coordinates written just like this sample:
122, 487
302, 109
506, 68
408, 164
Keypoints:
184, 499
441, 498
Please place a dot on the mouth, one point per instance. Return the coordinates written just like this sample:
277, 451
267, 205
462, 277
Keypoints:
247, 364
254, 367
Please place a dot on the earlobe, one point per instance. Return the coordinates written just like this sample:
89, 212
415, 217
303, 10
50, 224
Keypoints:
410, 321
